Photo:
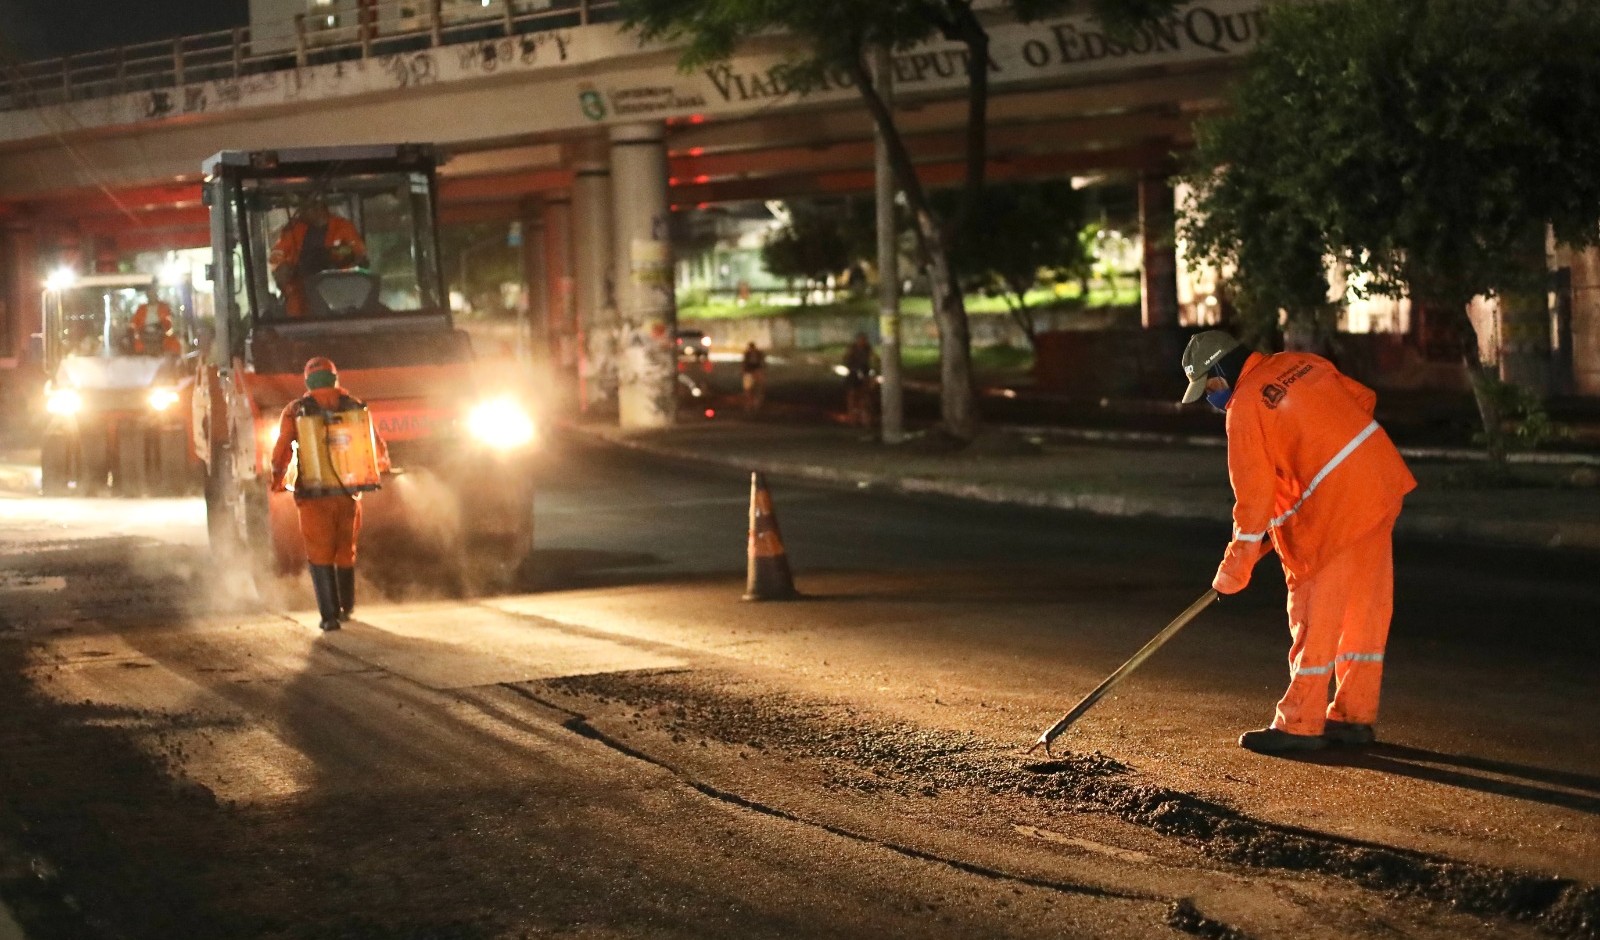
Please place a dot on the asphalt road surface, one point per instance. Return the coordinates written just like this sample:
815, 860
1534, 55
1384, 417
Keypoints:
620, 747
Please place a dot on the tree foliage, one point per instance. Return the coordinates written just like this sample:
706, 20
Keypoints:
1019, 233
839, 35
1425, 145
812, 247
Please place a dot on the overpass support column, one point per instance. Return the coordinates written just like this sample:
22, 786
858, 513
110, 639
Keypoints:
560, 324
646, 361
20, 318
20, 280
1158, 230
593, 273
533, 333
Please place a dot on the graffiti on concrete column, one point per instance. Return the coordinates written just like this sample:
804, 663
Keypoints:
647, 380
600, 365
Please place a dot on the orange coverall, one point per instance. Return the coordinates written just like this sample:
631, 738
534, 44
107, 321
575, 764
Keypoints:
328, 524
1315, 478
141, 317
341, 245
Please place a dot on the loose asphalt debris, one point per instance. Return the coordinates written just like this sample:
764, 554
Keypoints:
870, 755
1182, 915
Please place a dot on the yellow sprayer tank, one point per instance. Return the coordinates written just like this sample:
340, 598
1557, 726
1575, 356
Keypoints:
337, 453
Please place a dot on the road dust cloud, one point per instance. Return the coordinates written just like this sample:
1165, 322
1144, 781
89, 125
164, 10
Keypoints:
413, 541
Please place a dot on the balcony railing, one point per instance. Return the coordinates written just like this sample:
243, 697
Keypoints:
344, 32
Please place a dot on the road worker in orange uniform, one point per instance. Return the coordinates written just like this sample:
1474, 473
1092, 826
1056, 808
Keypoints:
157, 308
1318, 481
328, 523
315, 240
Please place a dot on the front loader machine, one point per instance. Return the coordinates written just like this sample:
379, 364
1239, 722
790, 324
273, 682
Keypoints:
117, 397
461, 485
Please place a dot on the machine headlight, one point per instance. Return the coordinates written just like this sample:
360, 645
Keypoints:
502, 424
161, 399
64, 402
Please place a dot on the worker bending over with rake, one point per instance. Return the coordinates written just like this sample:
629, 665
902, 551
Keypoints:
339, 455
1317, 480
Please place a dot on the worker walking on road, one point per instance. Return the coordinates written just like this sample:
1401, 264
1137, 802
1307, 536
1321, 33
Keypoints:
1316, 479
313, 241
754, 376
329, 521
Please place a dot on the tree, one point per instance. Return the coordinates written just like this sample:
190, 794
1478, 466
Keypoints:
478, 258
839, 36
1427, 145
1018, 232
811, 247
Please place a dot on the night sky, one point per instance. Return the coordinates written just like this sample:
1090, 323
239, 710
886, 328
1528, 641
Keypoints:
35, 29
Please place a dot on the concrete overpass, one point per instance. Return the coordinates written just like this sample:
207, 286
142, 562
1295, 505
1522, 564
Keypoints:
98, 161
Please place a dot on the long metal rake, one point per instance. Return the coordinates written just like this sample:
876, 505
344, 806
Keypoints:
1159, 640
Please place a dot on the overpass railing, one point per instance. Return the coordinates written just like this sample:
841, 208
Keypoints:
346, 31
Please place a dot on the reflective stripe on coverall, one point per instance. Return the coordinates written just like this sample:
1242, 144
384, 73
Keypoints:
1318, 480
329, 525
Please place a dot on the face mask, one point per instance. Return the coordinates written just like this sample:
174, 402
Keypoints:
1219, 398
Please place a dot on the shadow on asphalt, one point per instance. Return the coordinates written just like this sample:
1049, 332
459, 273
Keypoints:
1519, 781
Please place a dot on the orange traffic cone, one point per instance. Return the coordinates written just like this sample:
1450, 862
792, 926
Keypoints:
769, 578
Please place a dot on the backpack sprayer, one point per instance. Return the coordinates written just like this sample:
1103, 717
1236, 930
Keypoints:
338, 453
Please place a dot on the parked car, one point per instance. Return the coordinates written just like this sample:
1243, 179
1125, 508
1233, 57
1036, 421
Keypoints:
693, 346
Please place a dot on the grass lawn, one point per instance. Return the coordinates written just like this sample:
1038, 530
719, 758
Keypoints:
1065, 295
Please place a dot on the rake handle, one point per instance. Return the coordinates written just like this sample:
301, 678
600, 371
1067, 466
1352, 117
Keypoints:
1134, 662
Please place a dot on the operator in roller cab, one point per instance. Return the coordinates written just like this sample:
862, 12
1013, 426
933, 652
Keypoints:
152, 327
328, 437
313, 241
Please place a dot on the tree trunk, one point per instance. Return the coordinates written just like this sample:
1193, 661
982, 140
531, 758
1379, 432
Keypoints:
1023, 315
1484, 385
958, 411
957, 401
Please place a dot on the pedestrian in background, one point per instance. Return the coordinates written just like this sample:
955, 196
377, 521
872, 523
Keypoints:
859, 371
753, 370
1317, 480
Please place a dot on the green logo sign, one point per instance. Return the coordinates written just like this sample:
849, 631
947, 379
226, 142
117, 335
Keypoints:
594, 106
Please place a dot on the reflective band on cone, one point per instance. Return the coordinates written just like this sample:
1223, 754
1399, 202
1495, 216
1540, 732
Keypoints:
769, 576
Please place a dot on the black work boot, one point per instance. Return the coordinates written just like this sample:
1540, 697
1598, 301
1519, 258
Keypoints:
1279, 741
347, 591
326, 585
1348, 733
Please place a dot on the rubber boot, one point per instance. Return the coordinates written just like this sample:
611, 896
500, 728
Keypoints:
347, 592
326, 585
